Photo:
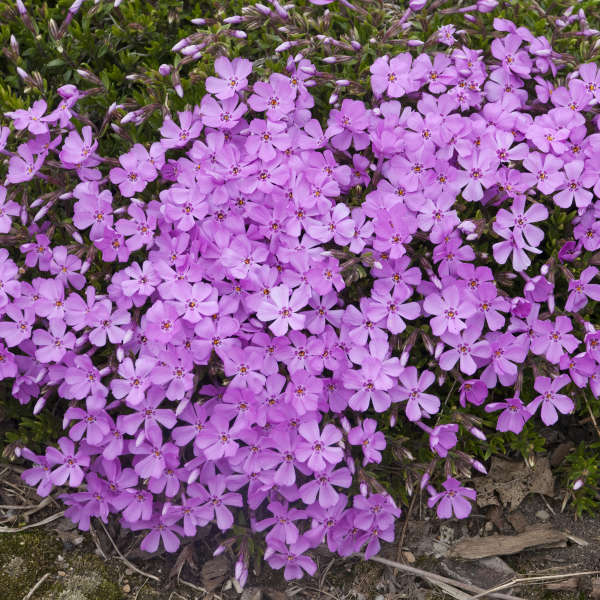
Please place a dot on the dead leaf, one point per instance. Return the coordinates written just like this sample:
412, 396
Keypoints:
518, 520
214, 572
512, 481
501, 545
185, 557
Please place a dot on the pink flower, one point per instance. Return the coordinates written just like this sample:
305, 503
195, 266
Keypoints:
232, 77
419, 404
283, 309
552, 403
454, 499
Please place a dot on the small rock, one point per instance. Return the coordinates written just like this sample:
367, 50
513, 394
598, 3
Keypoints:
379, 597
489, 526
62, 574
60, 557
128, 571
409, 557
127, 588
542, 515
78, 540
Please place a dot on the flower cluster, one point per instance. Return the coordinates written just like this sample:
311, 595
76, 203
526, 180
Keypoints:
195, 309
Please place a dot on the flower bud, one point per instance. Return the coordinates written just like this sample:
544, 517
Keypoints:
578, 484
476, 432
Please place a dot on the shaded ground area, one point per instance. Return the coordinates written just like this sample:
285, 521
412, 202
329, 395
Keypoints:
55, 561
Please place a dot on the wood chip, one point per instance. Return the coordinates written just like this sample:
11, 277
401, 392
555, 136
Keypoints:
501, 545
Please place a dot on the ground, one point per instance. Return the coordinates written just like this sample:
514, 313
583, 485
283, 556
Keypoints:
74, 565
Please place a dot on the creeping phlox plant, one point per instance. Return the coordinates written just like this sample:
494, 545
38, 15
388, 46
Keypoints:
203, 303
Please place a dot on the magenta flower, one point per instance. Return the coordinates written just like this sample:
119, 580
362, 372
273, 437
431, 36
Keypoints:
136, 171
443, 438
391, 78
282, 309
419, 405
550, 400
465, 346
581, 289
454, 499
514, 59
347, 125
233, 77
574, 187
176, 136
450, 309
30, 118
222, 115
275, 98
278, 556
53, 343
369, 439
316, 447
24, 166
514, 414
71, 463
79, 151
553, 339
8, 209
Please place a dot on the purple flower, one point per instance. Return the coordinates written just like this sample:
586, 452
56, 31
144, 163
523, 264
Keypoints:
276, 98
553, 339
514, 414
412, 389
549, 399
450, 310
278, 556
136, 171
232, 77
31, 118
316, 447
454, 499
369, 439
347, 125
465, 346
581, 289
71, 463
283, 309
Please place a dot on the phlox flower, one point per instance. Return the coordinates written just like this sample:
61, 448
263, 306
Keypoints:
514, 414
453, 500
232, 77
550, 400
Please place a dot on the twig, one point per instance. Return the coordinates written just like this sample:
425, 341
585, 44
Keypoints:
405, 528
127, 562
434, 577
140, 589
38, 524
527, 580
197, 588
592, 417
30, 593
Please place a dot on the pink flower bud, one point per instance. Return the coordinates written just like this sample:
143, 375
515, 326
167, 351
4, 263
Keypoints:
164, 70
578, 484
414, 43
474, 431
425, 479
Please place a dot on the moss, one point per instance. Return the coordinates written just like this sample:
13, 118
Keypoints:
24, 559
87, 579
